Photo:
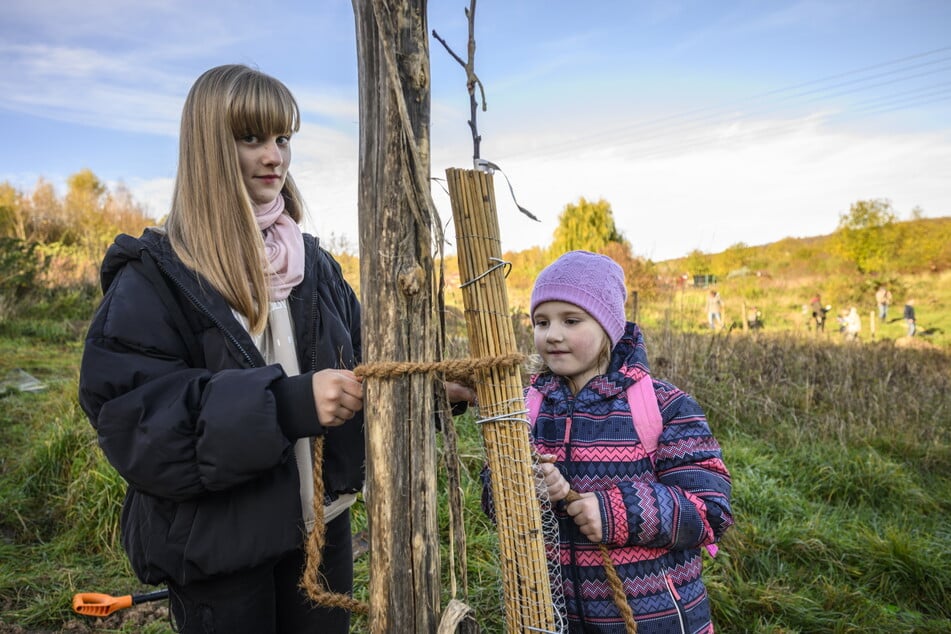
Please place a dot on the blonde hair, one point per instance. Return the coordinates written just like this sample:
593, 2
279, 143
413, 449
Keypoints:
211, 225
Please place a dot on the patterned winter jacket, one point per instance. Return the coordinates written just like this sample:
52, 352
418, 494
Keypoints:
655, 519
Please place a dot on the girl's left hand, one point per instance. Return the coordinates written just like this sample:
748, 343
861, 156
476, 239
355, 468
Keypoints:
586, 511
338, 395
457, 393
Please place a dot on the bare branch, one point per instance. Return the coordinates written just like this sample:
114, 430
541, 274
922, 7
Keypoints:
472, 80
448, 50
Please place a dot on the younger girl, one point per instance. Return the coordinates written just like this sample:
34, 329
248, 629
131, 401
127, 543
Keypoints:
653, 515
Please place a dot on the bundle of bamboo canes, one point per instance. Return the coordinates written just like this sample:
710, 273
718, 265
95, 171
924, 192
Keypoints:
526, 588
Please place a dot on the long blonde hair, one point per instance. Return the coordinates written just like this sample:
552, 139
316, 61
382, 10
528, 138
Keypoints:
211, 225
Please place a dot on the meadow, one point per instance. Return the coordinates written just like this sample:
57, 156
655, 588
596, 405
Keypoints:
840, 456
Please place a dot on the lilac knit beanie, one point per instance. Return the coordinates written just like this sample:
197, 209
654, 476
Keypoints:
590, 281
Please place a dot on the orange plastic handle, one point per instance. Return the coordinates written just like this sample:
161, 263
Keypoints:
96, 604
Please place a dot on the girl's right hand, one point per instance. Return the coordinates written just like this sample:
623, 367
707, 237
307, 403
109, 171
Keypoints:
338, 395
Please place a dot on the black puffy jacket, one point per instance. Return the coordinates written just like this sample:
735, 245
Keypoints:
190, 415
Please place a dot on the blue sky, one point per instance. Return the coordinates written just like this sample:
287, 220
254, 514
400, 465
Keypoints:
704, 124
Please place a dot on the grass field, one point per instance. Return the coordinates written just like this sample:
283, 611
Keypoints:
840, 456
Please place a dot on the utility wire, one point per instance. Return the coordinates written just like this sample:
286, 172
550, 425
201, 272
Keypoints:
746, 137
697, 118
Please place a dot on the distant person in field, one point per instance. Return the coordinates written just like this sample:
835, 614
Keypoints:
653, 511
714, 310
754, 318
222, 350
909, 316
883, 297
853, 324
818, 312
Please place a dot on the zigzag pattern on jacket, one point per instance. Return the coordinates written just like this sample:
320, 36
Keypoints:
655, 518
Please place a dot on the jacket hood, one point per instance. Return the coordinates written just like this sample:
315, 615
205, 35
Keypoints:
121, 252
126, 249
154, 240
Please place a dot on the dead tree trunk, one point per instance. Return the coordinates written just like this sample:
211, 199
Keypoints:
399, 319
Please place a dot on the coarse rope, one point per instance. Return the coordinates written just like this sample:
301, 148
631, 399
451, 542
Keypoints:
459, 370
617, 588
310, 581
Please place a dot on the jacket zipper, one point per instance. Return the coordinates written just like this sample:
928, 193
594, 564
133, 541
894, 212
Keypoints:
579, 601
675, 597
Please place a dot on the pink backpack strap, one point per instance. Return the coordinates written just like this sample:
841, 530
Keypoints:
533, 401
645, 411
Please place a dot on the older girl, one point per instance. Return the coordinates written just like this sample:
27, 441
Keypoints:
224, 344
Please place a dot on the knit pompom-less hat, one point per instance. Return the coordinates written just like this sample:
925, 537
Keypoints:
590, 281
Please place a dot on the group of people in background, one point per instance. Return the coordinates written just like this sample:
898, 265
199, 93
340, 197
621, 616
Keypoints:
883, 299
754, 318
850, 322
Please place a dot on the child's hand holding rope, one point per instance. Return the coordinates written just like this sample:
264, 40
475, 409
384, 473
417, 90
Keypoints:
584, 508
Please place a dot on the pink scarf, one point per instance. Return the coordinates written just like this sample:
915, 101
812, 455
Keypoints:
283, 247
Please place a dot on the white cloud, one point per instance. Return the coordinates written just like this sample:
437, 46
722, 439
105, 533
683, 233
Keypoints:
710, 197
155, 195
796, 184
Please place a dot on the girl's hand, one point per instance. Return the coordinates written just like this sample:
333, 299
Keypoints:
551, 478
586, 511
457, 393
338, 395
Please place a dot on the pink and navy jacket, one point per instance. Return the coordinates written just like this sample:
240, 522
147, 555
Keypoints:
655, 518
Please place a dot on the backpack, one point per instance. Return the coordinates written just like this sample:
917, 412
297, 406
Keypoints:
645, 412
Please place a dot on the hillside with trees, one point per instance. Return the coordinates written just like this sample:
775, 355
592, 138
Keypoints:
869, 248
51, 246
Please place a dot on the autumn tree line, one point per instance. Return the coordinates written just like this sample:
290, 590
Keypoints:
51, 243
870, 241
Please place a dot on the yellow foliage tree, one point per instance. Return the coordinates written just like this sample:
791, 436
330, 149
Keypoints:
70, 234
585, 225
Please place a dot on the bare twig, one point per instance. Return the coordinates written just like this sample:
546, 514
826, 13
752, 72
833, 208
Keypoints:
472, 80
449, 50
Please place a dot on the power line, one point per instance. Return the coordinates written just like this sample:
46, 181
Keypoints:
680, 123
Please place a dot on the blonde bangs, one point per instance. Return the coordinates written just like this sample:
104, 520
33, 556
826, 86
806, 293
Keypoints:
261, 105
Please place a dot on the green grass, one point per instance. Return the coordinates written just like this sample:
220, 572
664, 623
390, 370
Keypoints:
61, 498
840, 457
841, 464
